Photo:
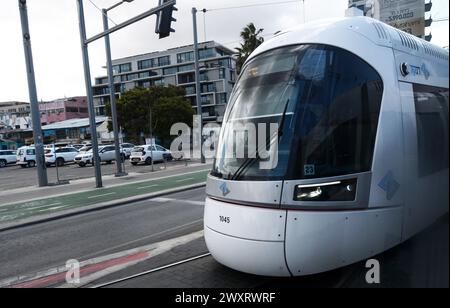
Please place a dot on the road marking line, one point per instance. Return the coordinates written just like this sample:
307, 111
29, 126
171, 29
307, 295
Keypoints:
31, 208
52, 208
102, 195
149, 186
53, 204
184, 180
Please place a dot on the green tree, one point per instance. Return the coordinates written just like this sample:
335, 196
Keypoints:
252, 40
167, 106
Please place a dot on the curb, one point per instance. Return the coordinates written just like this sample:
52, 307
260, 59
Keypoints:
94, 208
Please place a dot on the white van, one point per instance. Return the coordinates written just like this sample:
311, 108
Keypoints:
26, 156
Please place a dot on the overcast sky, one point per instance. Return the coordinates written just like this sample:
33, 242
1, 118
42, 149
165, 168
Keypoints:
56, 43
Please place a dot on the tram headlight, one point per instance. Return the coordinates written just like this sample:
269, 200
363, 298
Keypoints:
344, 190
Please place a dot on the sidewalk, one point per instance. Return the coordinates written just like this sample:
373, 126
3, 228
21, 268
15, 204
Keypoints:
29, 205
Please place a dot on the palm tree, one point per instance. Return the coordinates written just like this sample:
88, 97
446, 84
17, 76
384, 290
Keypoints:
251, 41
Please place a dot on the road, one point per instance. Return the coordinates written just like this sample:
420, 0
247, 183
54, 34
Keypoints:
12, 175
36, 248
105, 241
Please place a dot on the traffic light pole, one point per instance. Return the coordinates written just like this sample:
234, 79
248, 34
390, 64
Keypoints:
87, 74
112, 90
197, 83
35, 113
90, 98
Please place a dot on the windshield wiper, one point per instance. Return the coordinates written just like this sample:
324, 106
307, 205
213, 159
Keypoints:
251, 160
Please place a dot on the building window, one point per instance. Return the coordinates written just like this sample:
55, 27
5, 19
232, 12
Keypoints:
208, 88
207, 99
101, 80
130, 77
225, 62
185, 68
185, 57
122, 68
206, 53
143, 84
163, 61
72, 109
158, 82
432, 128
144, 64
222, 73
221, 98
170, 71
101, 91
190, 90
204, 76
232, 75
186, 78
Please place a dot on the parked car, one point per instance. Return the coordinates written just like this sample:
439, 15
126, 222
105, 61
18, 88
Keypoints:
7, 157
127, 147
107, 154
145, 154
84, 149
77, 146
26, 156
60, 156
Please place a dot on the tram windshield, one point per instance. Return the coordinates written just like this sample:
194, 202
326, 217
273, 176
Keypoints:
298, 112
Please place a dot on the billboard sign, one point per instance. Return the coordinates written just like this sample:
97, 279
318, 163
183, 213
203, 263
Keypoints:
406, 15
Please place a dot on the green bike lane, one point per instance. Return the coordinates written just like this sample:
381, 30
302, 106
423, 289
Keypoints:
50, 205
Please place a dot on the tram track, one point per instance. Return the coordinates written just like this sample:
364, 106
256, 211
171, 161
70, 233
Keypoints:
154, 270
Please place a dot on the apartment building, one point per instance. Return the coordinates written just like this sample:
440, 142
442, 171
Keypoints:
176, 67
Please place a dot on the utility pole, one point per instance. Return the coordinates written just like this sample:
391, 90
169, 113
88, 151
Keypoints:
112, 90
35, 113
151, 133
164, 11
90, 98
197, 82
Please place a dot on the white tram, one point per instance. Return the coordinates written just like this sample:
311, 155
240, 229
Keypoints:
361, 149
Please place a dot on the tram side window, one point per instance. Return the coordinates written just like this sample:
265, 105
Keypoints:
431, 105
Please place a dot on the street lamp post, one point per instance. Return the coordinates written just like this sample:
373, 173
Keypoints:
90, 97
35, 113
197, 82
112, 90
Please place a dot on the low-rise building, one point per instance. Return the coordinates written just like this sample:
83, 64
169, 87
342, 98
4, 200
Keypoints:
15, 115
63, 109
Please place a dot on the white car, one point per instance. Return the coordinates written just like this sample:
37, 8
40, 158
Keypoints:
107, 154
7, 157
26, 157
60, 156
145, 154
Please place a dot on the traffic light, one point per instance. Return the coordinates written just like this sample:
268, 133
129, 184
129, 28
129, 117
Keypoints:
428, 21
164, 20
